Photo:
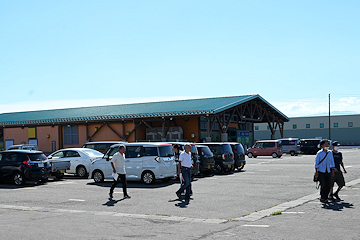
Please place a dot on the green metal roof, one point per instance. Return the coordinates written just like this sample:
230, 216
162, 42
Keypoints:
125, 111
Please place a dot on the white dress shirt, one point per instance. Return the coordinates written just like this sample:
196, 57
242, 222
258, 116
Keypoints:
185, 159
119, 162
327, 164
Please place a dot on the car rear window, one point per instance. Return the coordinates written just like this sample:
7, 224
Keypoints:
92, 153
166, 151
205, 151
227, 148
37, 156
238, 148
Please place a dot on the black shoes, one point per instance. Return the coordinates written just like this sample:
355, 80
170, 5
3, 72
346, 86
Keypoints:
324, 201
126, 196
336, 195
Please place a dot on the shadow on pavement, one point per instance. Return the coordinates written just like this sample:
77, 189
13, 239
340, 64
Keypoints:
337, 206
108, 184
112, 202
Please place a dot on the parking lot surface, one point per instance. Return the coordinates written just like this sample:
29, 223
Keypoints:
271, 198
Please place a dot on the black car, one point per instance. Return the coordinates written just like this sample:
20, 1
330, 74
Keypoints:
309, 146
18, 166
206, 158
239, 155
223, 154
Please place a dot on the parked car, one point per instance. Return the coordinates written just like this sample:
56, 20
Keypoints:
223, 154
194, 156
266, 148
206, 159
20, 166
290, 146
144, 162
23, 147
239, 155
80, 159
102, 146
309, 146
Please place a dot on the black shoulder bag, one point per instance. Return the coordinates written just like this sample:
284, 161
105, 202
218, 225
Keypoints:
316, 179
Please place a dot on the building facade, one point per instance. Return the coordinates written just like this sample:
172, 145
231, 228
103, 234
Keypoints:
343, 128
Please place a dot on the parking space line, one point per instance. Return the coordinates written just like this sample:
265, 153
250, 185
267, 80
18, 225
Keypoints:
294, 212
25, 188
116, 214
261, 226
77, 200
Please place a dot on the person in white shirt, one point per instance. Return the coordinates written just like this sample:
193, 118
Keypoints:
185, 168
118, 166
324, 169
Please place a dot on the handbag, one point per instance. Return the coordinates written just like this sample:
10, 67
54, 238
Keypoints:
315, 179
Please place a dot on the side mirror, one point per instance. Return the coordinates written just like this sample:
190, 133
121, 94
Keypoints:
49, 157
157, 159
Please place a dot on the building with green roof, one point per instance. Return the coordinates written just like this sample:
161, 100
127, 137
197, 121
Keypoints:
205, 119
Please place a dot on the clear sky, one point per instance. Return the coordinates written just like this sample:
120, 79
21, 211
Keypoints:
59, 54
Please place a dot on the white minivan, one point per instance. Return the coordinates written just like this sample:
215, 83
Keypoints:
144, 162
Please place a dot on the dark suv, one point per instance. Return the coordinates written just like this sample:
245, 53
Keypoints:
239, 155
223, 154
206, 158
18, 166
309, 146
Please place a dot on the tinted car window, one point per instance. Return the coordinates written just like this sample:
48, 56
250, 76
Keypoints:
72, 154
133, 152
204, 151
166, 151
216, 149
238, 148
269, 144
227, 148
10, 157
288, 142
193, 150
37, 157
150, 151
1, 156
259, 145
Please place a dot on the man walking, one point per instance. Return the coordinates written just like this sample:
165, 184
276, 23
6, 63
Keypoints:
325, 169
185, 168
118, 166
339, 177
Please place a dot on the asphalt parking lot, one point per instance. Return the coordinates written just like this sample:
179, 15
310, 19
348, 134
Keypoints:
271, 198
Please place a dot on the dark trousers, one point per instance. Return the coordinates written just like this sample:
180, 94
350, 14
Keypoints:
186, 173
122, 179
325, 184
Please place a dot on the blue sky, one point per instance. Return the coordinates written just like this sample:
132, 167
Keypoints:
57, 54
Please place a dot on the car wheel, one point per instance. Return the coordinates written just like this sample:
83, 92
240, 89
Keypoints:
59, 175
250, 155
19, 179
218, 169
274, 155
98, 176
43, 180
148, 177
81, 171
292, 153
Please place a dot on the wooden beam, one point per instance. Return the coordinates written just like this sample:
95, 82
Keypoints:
92, 136
122, 137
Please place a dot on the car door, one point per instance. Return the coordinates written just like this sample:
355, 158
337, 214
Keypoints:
133, 162
258, 148
1, 165
9, 165
75, 160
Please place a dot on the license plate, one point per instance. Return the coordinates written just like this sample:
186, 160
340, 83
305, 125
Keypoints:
40, 165
229, 165
242, 164
62, 170
209, 166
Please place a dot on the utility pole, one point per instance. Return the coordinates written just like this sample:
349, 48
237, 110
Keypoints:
329, 120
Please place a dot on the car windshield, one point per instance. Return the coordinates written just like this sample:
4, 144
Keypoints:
112, 151
92, 153
238, 148
205, 151
166, 151
37, 157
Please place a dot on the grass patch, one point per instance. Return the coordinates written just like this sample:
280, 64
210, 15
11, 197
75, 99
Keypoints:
276, 213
